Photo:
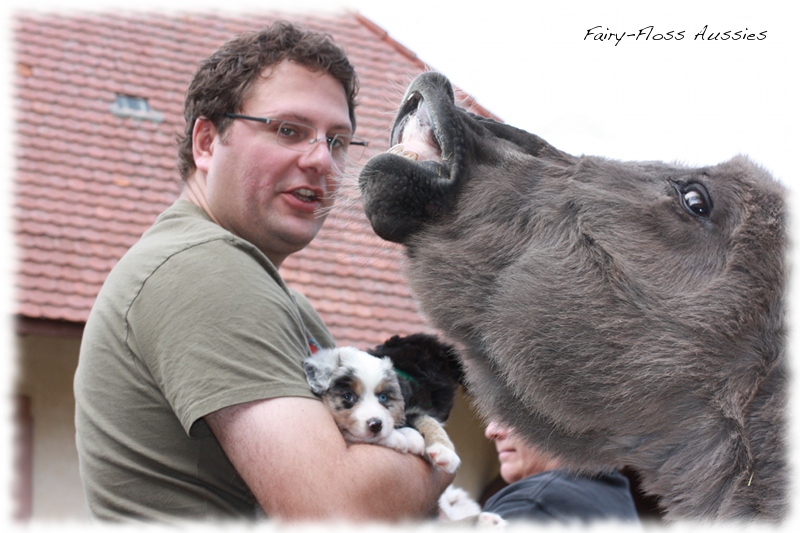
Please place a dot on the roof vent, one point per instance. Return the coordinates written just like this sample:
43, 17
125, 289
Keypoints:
134, 106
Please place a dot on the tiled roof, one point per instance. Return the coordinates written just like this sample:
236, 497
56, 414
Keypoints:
89, 182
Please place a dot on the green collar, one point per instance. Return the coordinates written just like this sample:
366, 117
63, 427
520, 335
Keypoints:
405, 376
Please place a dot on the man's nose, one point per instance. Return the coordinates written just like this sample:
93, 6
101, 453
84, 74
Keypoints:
319, 156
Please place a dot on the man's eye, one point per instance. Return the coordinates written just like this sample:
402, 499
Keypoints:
337, 142
288, 131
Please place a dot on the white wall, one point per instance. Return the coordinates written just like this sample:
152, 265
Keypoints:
479, 464
46, 366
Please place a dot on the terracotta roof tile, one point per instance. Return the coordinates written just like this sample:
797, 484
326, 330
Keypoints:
88, 183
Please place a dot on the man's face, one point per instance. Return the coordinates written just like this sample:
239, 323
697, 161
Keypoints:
266, 193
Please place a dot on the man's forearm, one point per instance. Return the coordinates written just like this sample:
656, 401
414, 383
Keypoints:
411, 486
306, 471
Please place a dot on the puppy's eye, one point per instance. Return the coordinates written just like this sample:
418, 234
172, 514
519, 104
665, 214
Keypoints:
383, 397
348, 397
695, 199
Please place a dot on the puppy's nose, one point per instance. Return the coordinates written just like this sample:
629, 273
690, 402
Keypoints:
375, 425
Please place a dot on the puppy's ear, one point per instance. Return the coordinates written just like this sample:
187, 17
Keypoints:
319, 369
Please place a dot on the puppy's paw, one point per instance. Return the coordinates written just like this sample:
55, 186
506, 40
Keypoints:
491, 520
443, 457
455, 505
415, 443
396, 440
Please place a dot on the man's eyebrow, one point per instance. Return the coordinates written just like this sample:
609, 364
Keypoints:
303, 119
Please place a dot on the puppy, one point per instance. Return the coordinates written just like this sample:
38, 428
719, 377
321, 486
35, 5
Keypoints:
397, 395
363, 394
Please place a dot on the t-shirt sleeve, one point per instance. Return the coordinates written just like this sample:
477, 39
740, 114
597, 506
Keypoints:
215, 328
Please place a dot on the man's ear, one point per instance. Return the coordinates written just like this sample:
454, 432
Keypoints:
203, 135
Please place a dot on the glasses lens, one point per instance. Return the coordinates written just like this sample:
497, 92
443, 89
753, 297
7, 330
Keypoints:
356, 151
345, 147
295, 136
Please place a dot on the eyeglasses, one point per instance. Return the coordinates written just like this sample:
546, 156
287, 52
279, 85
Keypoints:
302, 138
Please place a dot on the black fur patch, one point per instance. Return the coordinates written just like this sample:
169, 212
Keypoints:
432, 373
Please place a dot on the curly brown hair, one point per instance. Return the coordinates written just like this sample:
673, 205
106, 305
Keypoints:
224, 80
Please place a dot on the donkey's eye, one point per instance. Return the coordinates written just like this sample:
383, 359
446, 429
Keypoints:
695, 199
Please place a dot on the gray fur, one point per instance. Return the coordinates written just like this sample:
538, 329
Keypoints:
599, 315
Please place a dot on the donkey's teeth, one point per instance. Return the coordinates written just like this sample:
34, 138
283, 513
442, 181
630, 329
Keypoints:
399, 149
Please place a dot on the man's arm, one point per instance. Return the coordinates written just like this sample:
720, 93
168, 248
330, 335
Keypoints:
297, 464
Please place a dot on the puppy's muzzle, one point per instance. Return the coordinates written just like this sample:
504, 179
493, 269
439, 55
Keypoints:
375, 425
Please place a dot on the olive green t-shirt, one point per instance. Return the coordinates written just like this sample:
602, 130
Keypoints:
191, 320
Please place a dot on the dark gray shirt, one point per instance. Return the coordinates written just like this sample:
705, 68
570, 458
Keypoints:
558, 496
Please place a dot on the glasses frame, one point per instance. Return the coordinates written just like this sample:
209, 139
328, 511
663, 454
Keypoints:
303, 146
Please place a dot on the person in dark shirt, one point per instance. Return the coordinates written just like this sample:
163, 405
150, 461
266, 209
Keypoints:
541, 490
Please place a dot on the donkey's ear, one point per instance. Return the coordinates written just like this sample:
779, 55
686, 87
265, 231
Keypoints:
319, 369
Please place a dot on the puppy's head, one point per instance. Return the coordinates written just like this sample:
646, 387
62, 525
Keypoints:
361, 391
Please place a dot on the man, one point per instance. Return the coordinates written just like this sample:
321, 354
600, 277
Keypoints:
191, 400
541, 491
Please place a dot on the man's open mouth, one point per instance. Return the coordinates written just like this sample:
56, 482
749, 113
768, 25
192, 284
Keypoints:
305, 195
